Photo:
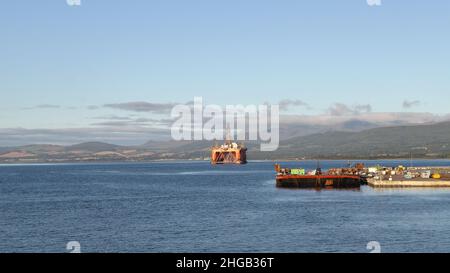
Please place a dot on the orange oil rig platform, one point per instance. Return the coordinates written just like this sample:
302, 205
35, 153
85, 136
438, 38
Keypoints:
229, 153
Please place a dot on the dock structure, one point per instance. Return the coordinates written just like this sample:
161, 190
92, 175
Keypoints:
421, 176
408, 183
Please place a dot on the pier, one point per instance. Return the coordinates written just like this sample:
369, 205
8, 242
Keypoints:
407, 183
432, 177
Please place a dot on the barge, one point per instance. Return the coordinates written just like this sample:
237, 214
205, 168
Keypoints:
298, 178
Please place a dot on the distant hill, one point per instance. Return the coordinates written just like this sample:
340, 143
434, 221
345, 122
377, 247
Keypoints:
299, 129
93, 147
42, 148
424, 141
431, 140
420, 140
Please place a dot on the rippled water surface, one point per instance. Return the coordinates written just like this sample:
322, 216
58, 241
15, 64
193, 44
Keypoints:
196, 207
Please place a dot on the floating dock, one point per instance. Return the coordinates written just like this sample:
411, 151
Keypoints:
298, 178
407, 183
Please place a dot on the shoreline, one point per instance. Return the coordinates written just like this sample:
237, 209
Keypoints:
199, 160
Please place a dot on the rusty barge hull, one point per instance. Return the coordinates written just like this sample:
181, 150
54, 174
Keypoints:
318, 181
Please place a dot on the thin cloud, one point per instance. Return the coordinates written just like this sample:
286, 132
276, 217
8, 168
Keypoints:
112, 123
410, 104
112, 117
379, 118
142, 106
138, 131
128, 121
136, 135
363, 108
340, 109
287, 104
93, 107
43, 106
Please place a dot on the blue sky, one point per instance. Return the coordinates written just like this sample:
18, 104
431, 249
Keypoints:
57, 60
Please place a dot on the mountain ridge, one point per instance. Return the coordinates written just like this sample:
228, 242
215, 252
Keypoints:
425, 140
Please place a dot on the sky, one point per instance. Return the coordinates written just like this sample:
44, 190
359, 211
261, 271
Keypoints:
109, 69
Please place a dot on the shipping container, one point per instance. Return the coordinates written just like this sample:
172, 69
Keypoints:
298, 171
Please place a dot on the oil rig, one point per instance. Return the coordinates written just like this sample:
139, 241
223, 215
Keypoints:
229, 153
